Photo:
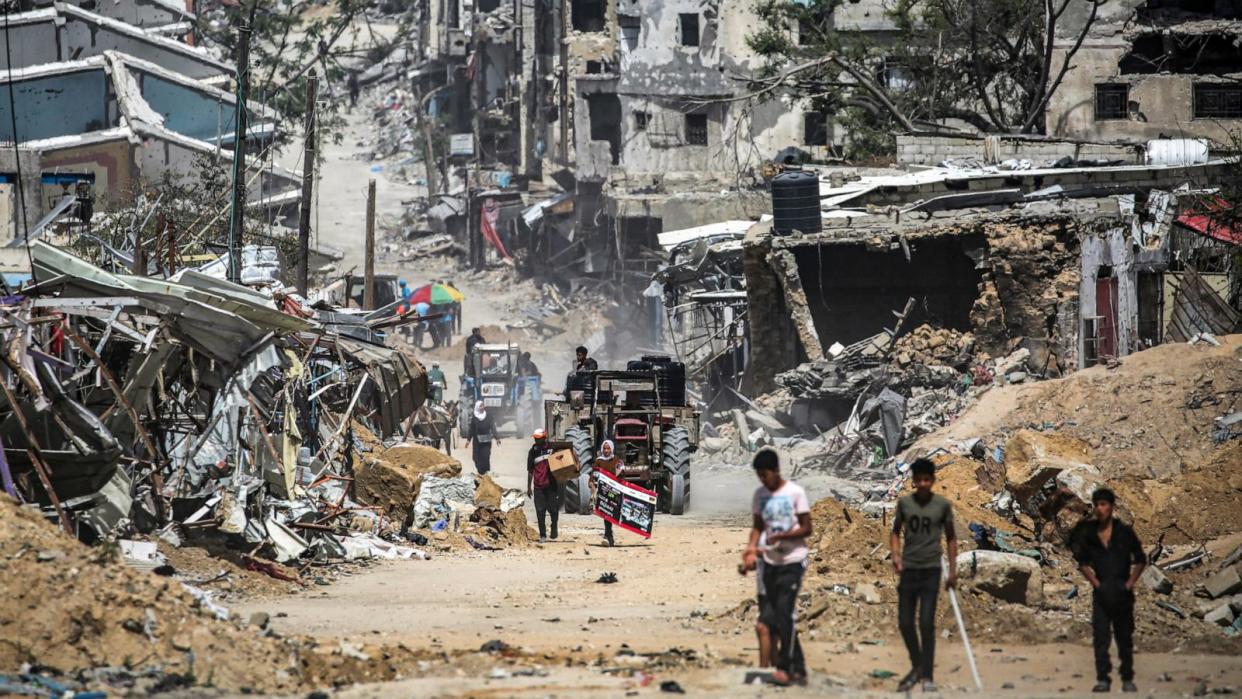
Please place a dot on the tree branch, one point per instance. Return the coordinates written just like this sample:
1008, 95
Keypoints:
1038, 109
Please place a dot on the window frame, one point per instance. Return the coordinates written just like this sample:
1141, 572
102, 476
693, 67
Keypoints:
1125, 102
692, 131
681, 29
1196, 99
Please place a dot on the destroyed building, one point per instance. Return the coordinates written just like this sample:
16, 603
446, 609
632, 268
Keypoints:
1038, 259
1150, 69
103, 104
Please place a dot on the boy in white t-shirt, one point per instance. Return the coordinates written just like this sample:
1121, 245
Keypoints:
782, 516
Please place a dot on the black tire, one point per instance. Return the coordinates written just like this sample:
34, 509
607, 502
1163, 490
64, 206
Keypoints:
463, 416
577, 494
679, 494
675, 461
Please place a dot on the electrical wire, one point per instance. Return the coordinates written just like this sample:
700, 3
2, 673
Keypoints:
17, 153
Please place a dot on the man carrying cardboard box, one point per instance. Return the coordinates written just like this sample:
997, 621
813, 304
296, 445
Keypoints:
541, 486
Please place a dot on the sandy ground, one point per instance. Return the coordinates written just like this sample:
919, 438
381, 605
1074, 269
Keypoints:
545, 598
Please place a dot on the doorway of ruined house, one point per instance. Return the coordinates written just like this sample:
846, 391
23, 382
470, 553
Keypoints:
604, 111
853, 290
1150, 308
1105, 314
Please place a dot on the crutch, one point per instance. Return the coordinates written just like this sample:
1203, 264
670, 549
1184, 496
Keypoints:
961, 628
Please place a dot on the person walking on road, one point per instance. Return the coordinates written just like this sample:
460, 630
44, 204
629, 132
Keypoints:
540, 485
921, 518
609, 462
435, 379
1111, 558
482, 433
782, 518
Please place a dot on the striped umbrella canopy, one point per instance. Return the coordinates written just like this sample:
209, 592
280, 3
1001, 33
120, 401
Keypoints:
436, 294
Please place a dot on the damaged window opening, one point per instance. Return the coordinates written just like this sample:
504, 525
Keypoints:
641, 119
488, 5
1195, 54
849, 287
894, 75
1173, 10
815, 129
594, 67
688, 24
588, 15
1112, 101
696, 129
605, 115
1217, 101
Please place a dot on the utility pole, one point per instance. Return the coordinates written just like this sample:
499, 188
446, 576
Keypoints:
239, 151
308, 185
368, 280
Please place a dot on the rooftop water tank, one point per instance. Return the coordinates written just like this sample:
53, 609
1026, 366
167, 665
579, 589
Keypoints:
795, 203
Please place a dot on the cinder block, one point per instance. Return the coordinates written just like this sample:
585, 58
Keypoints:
1226, 582
1221, 616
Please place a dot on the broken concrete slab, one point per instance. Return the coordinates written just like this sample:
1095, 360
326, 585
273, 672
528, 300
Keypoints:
1006, 576
1221, 616
1225, 582
1156, 580
1033, 458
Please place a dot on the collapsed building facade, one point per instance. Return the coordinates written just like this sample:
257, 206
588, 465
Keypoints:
1069, 266
103, 105
133, 403
1150, 69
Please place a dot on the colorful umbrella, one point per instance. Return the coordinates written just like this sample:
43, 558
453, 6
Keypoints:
436, 294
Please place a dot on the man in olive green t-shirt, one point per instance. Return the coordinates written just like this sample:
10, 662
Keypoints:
921, 518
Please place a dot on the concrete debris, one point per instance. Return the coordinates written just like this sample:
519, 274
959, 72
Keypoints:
1226, 582
1006, 576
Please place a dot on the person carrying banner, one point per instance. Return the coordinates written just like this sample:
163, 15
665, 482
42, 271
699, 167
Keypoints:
540, 485
608, 462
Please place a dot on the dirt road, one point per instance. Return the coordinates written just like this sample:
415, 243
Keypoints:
674, 591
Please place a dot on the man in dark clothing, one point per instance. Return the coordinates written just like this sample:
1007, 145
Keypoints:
1111, 558
526, 366
921, 517
475, 338
584, 362
540, 485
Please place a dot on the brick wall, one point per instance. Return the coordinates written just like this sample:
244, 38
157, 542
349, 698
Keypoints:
921, 149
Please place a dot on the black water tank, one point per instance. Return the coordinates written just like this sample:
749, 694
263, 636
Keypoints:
795, 203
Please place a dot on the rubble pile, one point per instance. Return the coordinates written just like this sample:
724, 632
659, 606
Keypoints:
196, 413
937, 346
83, 614
1019, 467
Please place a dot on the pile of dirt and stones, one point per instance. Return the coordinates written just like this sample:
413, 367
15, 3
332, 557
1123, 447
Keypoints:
79, 618
1019, 466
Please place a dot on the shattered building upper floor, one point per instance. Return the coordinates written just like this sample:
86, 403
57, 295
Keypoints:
1151, 69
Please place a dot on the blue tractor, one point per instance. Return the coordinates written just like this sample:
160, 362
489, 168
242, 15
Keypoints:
491, 376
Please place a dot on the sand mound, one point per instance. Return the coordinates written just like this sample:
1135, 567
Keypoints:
70, 607
1145, 424
389, 478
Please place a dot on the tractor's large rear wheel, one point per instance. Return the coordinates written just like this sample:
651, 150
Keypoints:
679, 494
675, 490
577, 494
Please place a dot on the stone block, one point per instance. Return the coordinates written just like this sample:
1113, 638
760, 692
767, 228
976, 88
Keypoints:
1221, 616
1006, 576
1226, 582
1156, 580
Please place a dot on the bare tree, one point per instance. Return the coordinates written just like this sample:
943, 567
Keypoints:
991, 64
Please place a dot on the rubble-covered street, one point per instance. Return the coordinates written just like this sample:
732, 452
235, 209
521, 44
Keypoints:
386, 349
